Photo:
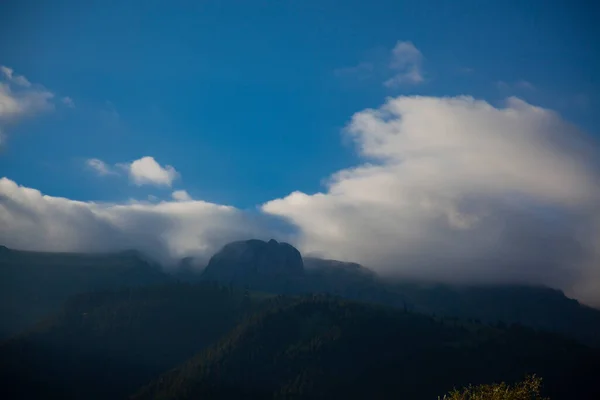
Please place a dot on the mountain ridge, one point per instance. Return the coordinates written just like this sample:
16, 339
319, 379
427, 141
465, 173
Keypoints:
33, 285
250, 264
136, 323
321, 347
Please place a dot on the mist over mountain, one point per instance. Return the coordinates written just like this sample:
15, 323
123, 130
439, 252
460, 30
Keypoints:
279, 268
259, 312
449, 190
36, 284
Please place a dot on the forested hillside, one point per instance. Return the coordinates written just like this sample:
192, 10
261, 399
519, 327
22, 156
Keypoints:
325, 348
105, 345
34, 285
261, 322
275, 267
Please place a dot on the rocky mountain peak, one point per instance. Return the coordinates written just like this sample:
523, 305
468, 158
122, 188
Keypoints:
249, 259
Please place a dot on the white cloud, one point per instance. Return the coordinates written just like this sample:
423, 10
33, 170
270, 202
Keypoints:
406, 63
19, 103
146, 171
165, 230
20, 99
67, 101
458, 190
181, 195
11, 77
9, 105
100, 167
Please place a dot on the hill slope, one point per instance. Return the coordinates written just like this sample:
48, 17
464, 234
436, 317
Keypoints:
34, 285
323, 348
538, 307
105, 345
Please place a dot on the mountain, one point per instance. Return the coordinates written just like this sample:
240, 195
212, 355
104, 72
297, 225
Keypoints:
279, 268
250, 259
535, 306
350, 281
34, 285
338, 269
211, 340
271, 266
106, 345
318, 347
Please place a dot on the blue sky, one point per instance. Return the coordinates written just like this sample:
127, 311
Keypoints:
247, 100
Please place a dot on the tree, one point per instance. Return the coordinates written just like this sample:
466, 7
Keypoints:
528, 389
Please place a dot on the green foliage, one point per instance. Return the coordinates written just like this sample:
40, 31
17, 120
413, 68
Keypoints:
529, 389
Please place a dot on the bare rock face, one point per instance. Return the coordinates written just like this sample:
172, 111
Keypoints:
249, 260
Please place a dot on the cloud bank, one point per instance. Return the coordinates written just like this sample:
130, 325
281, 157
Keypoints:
457, 190
166, 231
451, 190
